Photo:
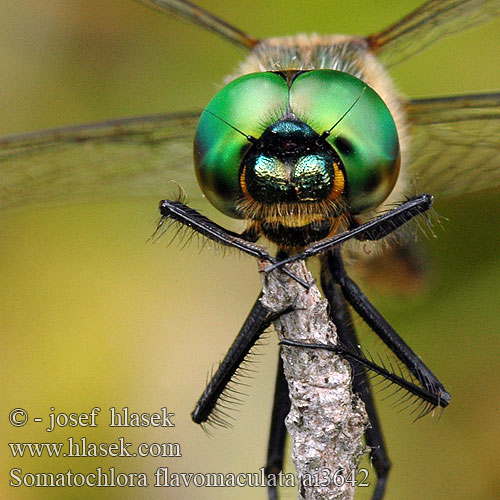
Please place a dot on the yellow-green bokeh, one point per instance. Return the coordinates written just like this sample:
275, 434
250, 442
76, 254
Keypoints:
92, 314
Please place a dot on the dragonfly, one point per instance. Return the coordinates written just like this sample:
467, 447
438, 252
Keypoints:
444, 152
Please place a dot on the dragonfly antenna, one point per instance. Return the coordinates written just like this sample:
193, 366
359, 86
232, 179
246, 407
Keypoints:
326, 133
249, 138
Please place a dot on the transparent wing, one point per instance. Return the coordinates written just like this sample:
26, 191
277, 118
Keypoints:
427, 24
456, 143
206, 20
134, 157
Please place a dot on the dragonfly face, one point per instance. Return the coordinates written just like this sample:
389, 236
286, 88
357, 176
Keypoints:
257, 158
438, 77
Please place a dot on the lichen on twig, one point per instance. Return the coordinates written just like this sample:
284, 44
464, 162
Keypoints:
326, 420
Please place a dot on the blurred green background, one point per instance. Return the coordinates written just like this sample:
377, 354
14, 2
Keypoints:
91, 314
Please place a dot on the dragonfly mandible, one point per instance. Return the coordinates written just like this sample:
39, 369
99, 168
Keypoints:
124, 134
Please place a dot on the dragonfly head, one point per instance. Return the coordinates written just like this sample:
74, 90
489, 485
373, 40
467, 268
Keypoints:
296, 150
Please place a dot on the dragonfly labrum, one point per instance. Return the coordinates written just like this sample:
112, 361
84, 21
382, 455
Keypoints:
313, 149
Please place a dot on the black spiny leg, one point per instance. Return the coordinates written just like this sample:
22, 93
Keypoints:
278, 432
179, 212
432, 387
341, 317
244, 242
424, 383
374, 229
257, 321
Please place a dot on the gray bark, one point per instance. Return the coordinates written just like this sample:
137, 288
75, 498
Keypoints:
326, 421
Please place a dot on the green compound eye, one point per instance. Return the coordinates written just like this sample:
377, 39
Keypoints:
267, 106
366, 138
249, 105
